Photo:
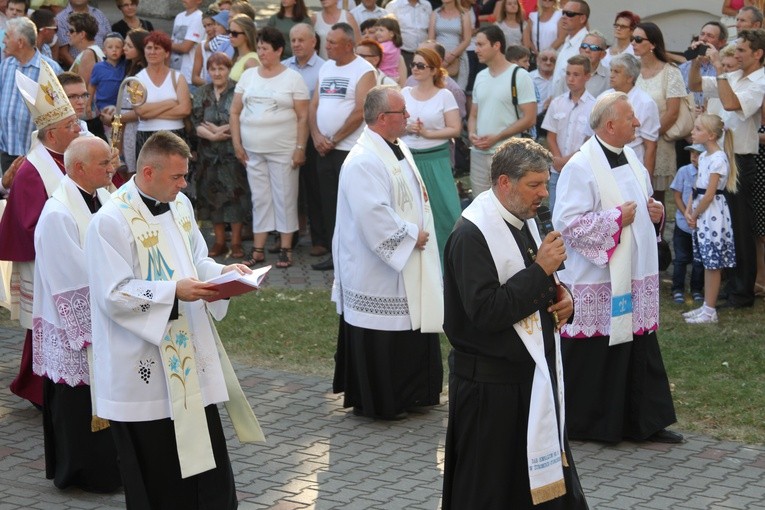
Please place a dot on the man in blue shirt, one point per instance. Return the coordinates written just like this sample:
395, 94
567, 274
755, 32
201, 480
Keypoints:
15, 120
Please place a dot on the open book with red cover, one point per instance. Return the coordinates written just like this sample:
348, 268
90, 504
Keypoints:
233, 284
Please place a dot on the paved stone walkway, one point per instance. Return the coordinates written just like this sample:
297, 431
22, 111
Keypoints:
320, 456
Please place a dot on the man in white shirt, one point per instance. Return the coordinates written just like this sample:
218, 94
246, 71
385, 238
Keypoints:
576, 14
567, 119
367, 9
413, 18
336, 117
741, 94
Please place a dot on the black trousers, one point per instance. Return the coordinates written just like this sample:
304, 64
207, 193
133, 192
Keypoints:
311, 195
148, 458
742, 277
328, 171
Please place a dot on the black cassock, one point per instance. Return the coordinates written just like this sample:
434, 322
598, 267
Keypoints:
491, 376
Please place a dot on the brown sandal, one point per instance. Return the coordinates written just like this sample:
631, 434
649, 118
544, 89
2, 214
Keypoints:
258, 257
285, 258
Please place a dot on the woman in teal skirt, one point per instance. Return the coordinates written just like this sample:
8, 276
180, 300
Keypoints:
434, 119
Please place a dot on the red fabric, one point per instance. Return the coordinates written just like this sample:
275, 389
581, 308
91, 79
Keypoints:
117, 180
25, 204
27, 384
528, 6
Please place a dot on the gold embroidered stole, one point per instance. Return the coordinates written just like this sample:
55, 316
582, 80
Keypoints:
157, 262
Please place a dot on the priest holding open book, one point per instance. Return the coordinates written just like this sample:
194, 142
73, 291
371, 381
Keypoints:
159, 366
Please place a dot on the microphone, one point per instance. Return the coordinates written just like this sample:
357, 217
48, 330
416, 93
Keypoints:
544, 221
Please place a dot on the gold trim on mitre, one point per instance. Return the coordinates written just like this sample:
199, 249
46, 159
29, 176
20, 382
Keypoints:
45, 99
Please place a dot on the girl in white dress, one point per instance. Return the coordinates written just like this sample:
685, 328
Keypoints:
708, 214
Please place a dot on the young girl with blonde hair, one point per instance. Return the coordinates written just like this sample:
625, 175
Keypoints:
708, 214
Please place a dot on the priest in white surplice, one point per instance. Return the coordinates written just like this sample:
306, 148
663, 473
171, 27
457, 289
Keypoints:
616, 384
159, 367
387, 286
79, 451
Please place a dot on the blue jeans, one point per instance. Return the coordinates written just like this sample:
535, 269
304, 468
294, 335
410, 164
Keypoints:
682, 242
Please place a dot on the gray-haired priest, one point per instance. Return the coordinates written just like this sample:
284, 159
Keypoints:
387, 272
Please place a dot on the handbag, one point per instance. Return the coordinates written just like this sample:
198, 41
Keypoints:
685, 118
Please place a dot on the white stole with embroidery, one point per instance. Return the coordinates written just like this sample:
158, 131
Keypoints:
422, 272
545, 452
620, 265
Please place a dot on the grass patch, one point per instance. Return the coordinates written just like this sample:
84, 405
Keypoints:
284, 329
716, 371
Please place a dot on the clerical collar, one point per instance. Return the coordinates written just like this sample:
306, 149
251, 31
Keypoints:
396, 149
506, 215
155, 206
91, 200
614, 155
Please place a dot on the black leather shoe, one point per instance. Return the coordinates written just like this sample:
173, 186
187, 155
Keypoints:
324, 265
666, 436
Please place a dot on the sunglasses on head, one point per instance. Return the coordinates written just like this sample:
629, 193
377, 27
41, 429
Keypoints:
591, 47
638, 39
420, 66
571, 14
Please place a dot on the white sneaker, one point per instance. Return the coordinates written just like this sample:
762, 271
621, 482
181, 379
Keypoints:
703, 318
693, 313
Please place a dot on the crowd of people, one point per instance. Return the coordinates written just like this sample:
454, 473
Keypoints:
348, 123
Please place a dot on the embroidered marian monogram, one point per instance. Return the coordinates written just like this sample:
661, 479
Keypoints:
404, 197
621, 305
531, 324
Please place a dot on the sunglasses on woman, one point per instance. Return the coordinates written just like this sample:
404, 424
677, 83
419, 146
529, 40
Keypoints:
637, 39
591, 47
420, 66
